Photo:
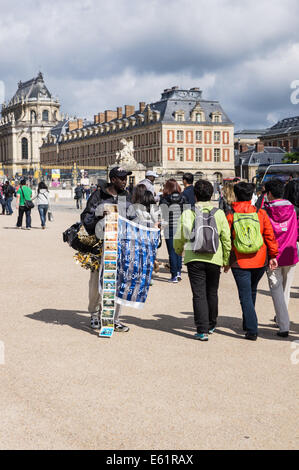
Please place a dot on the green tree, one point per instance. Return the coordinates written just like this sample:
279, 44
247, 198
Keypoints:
291, 157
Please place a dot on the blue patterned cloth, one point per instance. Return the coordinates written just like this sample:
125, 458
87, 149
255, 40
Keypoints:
137, 249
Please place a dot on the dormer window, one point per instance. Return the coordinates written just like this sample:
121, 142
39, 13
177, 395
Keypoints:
179, 116
197, 114
216, 117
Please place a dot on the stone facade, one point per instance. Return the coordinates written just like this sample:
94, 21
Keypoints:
181, 132
25, 121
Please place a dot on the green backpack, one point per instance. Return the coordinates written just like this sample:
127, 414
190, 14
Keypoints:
248, 237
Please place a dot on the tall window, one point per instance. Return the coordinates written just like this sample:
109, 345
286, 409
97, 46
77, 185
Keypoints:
33, 116
198, 117
217, 136
180, 154
180, 135
24, 149
198, 155
45, 115
217, 118
216, 155
198, 135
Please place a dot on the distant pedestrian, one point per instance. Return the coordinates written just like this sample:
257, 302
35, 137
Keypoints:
188, 192
172, 205
283, 218
24, 194
203, 265
253, 244
9, 192
78, 196
43, 202
149, 181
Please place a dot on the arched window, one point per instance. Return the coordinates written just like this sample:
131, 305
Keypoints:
45, 115
24, 149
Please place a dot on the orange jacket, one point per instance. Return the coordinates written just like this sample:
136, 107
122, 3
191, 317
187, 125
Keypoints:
270, 246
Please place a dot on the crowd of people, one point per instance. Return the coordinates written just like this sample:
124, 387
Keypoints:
246, 232
238, 235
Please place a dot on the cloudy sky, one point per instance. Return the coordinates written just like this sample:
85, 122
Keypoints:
97, 54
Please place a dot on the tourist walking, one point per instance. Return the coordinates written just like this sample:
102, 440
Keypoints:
283, 218
43, 202
149, 181
110, 193
172, 205
9, 192
24, 194
204, 262
147, 211
254, 244
79, 192
188, 192
227, 198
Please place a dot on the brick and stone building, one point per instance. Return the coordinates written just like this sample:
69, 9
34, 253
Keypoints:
180, 132
25, 121
284, 134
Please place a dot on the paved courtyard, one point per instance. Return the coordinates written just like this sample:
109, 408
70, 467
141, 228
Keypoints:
62, 387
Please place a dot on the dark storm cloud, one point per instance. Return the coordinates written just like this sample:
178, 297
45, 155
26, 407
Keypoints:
96, 54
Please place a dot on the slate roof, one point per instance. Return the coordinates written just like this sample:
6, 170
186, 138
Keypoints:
283, 127
33, 89
60, 129
271, 155
250, 133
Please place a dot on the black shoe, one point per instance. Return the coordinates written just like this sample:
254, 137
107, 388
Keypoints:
251, 337
120, 328
283, 334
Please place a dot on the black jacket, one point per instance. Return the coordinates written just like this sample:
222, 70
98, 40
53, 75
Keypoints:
9, 191
172, 207
88, 217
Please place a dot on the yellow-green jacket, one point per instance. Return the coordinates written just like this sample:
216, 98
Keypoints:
181, 240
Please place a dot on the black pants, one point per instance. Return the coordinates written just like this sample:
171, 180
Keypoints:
204, 280
27, 212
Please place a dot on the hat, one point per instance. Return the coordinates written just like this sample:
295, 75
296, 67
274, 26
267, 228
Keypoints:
119, 172
152, 173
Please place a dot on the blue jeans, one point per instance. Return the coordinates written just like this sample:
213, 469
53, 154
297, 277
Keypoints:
8, 202
247, 281
175, 260
43, 209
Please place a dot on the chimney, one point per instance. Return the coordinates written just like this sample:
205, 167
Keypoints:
259, 147
129, 110
96, 119
243, 148
110, 115
119, 112
101, 118
73, 125
142, 106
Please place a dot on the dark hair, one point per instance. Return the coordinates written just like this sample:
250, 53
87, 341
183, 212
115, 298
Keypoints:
171, 186
275, 187
291, 192
203, 190
42, 185
148, 200
23, 182
138, 194
188, 177
244, 191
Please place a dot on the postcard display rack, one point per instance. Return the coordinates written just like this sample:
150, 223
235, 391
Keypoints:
109, 271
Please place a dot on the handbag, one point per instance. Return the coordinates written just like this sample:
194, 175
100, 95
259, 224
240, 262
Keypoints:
28, 204
50, 216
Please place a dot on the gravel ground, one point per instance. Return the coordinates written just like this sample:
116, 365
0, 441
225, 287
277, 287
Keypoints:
62, 387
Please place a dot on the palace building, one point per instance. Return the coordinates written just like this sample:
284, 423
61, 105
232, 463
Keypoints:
25, 121
180, 132
284, 134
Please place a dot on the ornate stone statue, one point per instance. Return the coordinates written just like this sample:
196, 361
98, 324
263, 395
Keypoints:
126, 156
